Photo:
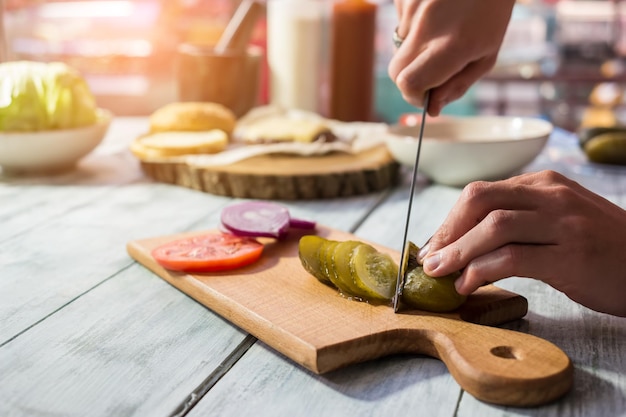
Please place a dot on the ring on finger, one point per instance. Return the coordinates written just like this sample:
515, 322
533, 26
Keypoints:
397, 39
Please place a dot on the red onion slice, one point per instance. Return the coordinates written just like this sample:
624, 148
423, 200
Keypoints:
256, 218
301, 223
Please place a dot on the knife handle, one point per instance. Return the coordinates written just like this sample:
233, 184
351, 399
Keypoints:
503, 366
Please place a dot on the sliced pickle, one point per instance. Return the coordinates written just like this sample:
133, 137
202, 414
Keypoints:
374, 272
309, 251
413, 251
326, 257
341, 267
359, 270
424, 292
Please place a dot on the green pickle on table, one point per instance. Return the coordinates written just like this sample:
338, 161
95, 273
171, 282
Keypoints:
361, 272
605, 145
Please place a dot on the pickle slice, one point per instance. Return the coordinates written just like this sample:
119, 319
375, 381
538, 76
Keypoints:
374, 272
427, 293
309, 251
341, 267
412, 253
326, 259
326, 254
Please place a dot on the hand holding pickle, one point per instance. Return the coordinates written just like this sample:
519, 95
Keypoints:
538, 225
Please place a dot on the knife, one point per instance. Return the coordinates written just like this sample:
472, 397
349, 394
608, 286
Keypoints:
405, 245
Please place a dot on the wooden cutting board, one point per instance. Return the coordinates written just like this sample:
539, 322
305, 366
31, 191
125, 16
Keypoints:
278, 302
286, 177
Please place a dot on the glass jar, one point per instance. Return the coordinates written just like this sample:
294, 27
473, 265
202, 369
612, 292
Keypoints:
295, 53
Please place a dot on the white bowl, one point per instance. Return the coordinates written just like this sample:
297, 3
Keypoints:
457, 151
50, 151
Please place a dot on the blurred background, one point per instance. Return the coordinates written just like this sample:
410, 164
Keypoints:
561, 60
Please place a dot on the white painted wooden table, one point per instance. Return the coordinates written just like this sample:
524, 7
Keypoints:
85, 331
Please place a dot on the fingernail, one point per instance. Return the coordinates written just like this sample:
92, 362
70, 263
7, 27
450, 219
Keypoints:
458, 284
422, 253
432, 262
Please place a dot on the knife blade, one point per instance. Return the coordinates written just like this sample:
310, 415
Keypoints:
405, 244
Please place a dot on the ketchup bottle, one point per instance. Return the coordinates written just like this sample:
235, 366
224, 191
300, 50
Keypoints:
352, 60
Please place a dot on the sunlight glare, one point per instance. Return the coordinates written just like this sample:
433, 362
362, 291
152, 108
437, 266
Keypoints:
86, 9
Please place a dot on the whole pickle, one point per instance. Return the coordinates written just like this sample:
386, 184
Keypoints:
586, 134
607, 148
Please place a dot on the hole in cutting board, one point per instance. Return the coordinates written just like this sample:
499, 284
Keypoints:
505, 352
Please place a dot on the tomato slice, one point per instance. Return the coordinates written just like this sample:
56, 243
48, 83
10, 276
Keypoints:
208, 253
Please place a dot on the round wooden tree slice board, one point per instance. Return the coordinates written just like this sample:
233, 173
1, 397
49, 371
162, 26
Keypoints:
286, 177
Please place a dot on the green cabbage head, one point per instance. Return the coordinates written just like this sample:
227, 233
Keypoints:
43, 96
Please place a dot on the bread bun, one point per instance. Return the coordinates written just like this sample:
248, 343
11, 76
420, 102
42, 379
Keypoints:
177, 143
192, 116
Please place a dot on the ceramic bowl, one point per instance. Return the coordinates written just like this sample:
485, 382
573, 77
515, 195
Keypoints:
457, 151
50, 151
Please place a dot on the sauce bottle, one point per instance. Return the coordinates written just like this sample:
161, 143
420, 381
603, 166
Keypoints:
294, 53
353, 30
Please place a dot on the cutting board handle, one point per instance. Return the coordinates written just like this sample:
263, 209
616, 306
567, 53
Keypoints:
503, 366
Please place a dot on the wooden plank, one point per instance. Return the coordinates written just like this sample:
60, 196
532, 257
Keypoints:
130, 347
265, 384
36, 205
31, 201
46, 267
431, 205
